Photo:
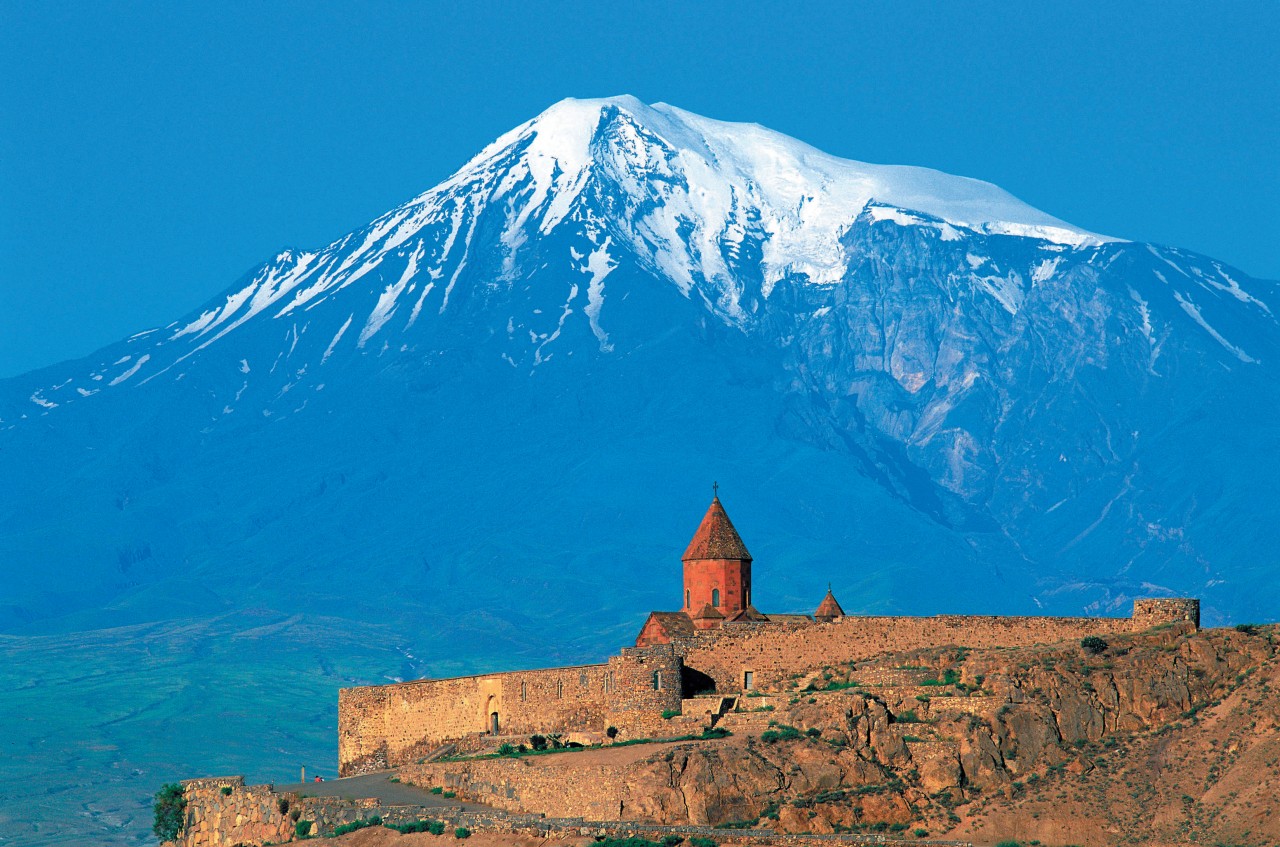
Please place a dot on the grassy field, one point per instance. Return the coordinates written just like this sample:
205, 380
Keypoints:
94, 723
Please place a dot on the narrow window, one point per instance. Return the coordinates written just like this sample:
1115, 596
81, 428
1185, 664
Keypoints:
657, 680
524, 694
686, 598
715, 597
560, 688
748, 680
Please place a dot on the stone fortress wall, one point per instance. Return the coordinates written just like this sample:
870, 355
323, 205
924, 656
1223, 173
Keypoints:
390, 725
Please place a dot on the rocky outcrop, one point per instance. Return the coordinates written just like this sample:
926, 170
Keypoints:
934, 739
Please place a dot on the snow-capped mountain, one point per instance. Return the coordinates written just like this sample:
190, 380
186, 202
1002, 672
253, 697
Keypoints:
915, 385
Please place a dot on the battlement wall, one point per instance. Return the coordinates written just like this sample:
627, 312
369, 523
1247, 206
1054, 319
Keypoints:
383, 726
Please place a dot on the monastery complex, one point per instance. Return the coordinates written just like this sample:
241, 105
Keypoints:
693, 662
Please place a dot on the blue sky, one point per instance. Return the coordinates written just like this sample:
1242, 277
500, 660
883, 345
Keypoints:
152, 153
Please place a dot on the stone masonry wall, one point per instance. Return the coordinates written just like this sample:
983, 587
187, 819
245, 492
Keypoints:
645, 683
774, 653
390, 725
387, 725
1155, 611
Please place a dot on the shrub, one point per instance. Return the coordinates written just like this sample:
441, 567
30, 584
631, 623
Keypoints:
539, 742
437, 790
295, 814
283, 805
612, 732
505, 749
170, 809
908, 716
668, 714
897, 827
671, 840
462, 832
302, 829
1247, 628
226, 791
376, 820
433, 827
920, 833
813, 732
449, 795
716, 732
702, 842
779, 733
1009, 843
1093, 645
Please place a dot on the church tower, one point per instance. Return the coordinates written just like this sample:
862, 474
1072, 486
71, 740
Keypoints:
717, 571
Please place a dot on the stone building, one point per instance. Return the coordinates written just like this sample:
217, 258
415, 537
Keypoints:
718, 644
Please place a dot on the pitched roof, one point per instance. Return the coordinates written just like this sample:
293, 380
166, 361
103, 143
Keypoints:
750, 614
675, 624
829, 607
716, 538
708, 612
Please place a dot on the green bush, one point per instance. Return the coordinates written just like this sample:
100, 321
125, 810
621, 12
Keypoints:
538, 742
462, 832
302, 829
908, 716
668, 714
437, 790
170, 809
781, 732
671, 840
920, 833
1009, 843
226, 791
356, 825
1093, 645
449, 795
433, 827
702, 842
1247, 628
283, 805
505, 749
716, 732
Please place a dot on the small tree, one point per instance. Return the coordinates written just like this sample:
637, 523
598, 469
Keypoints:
612, 732
170, 809
1093, 645
539, 742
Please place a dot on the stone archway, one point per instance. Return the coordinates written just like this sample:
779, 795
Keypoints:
492, 719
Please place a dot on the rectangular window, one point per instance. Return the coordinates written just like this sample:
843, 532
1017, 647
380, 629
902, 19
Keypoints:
524, 693
748, 680
657, 680
560, 689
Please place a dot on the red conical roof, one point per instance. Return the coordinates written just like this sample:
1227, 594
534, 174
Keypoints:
716, 538
829, 608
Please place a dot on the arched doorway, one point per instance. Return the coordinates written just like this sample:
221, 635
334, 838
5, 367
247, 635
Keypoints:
492, 724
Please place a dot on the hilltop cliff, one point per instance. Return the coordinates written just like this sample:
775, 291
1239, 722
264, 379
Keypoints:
1162, 737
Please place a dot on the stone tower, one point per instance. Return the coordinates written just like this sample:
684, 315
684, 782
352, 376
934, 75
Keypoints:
717, 571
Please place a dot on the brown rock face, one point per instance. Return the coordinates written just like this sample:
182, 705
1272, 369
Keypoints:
1161, 736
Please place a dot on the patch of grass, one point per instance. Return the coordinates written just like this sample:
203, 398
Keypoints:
907, 716
668, 714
